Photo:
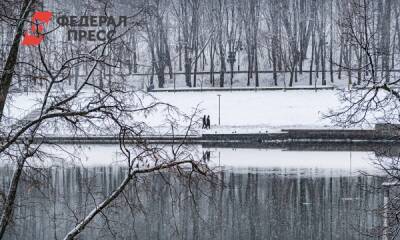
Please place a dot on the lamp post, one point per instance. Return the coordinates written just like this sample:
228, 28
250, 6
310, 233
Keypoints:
219, 109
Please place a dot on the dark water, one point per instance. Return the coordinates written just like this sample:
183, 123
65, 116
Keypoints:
233, 205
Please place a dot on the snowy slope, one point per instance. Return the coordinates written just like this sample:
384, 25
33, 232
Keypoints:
258, 111
247, 111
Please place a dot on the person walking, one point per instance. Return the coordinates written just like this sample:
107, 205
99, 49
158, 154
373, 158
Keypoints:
208, 124
204, 122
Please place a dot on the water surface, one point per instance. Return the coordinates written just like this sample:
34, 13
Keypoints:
259, 194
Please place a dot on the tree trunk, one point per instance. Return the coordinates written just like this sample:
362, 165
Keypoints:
273, 45
8, 206
8, 72
340, 58
388, 9
222, 60
331, 44
249, 66
212, 52
179, 50
187, 60
349, 67
312, 59
257, 83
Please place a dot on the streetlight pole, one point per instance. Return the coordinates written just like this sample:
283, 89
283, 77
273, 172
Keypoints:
219, 109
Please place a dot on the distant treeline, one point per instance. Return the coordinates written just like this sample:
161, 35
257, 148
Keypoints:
222, 37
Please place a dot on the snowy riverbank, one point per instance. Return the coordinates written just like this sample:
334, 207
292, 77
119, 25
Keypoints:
241, 112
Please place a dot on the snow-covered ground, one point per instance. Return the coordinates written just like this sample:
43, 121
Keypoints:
241, 112
20, 104
258, 111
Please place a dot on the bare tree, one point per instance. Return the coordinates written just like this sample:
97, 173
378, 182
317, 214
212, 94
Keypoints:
17, 19
90, 108
158, 43
375, 93
234, 32
376, 98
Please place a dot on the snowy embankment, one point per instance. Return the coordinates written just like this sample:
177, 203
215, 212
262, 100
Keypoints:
258, 111
241, 112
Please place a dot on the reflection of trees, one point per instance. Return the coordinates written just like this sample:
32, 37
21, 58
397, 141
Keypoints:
164, 206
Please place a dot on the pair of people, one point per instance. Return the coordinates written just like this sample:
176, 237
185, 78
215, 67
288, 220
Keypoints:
206, 156
206, 122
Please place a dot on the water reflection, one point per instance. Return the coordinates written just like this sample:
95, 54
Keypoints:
235, 205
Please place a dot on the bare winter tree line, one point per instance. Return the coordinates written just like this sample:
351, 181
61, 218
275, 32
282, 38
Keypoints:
88, 108
227, 42
254, 37
270, 36
278, 36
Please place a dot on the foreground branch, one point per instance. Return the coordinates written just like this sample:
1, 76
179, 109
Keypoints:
98, 209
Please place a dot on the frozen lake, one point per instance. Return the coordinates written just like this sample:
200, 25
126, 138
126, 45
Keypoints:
258, 194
